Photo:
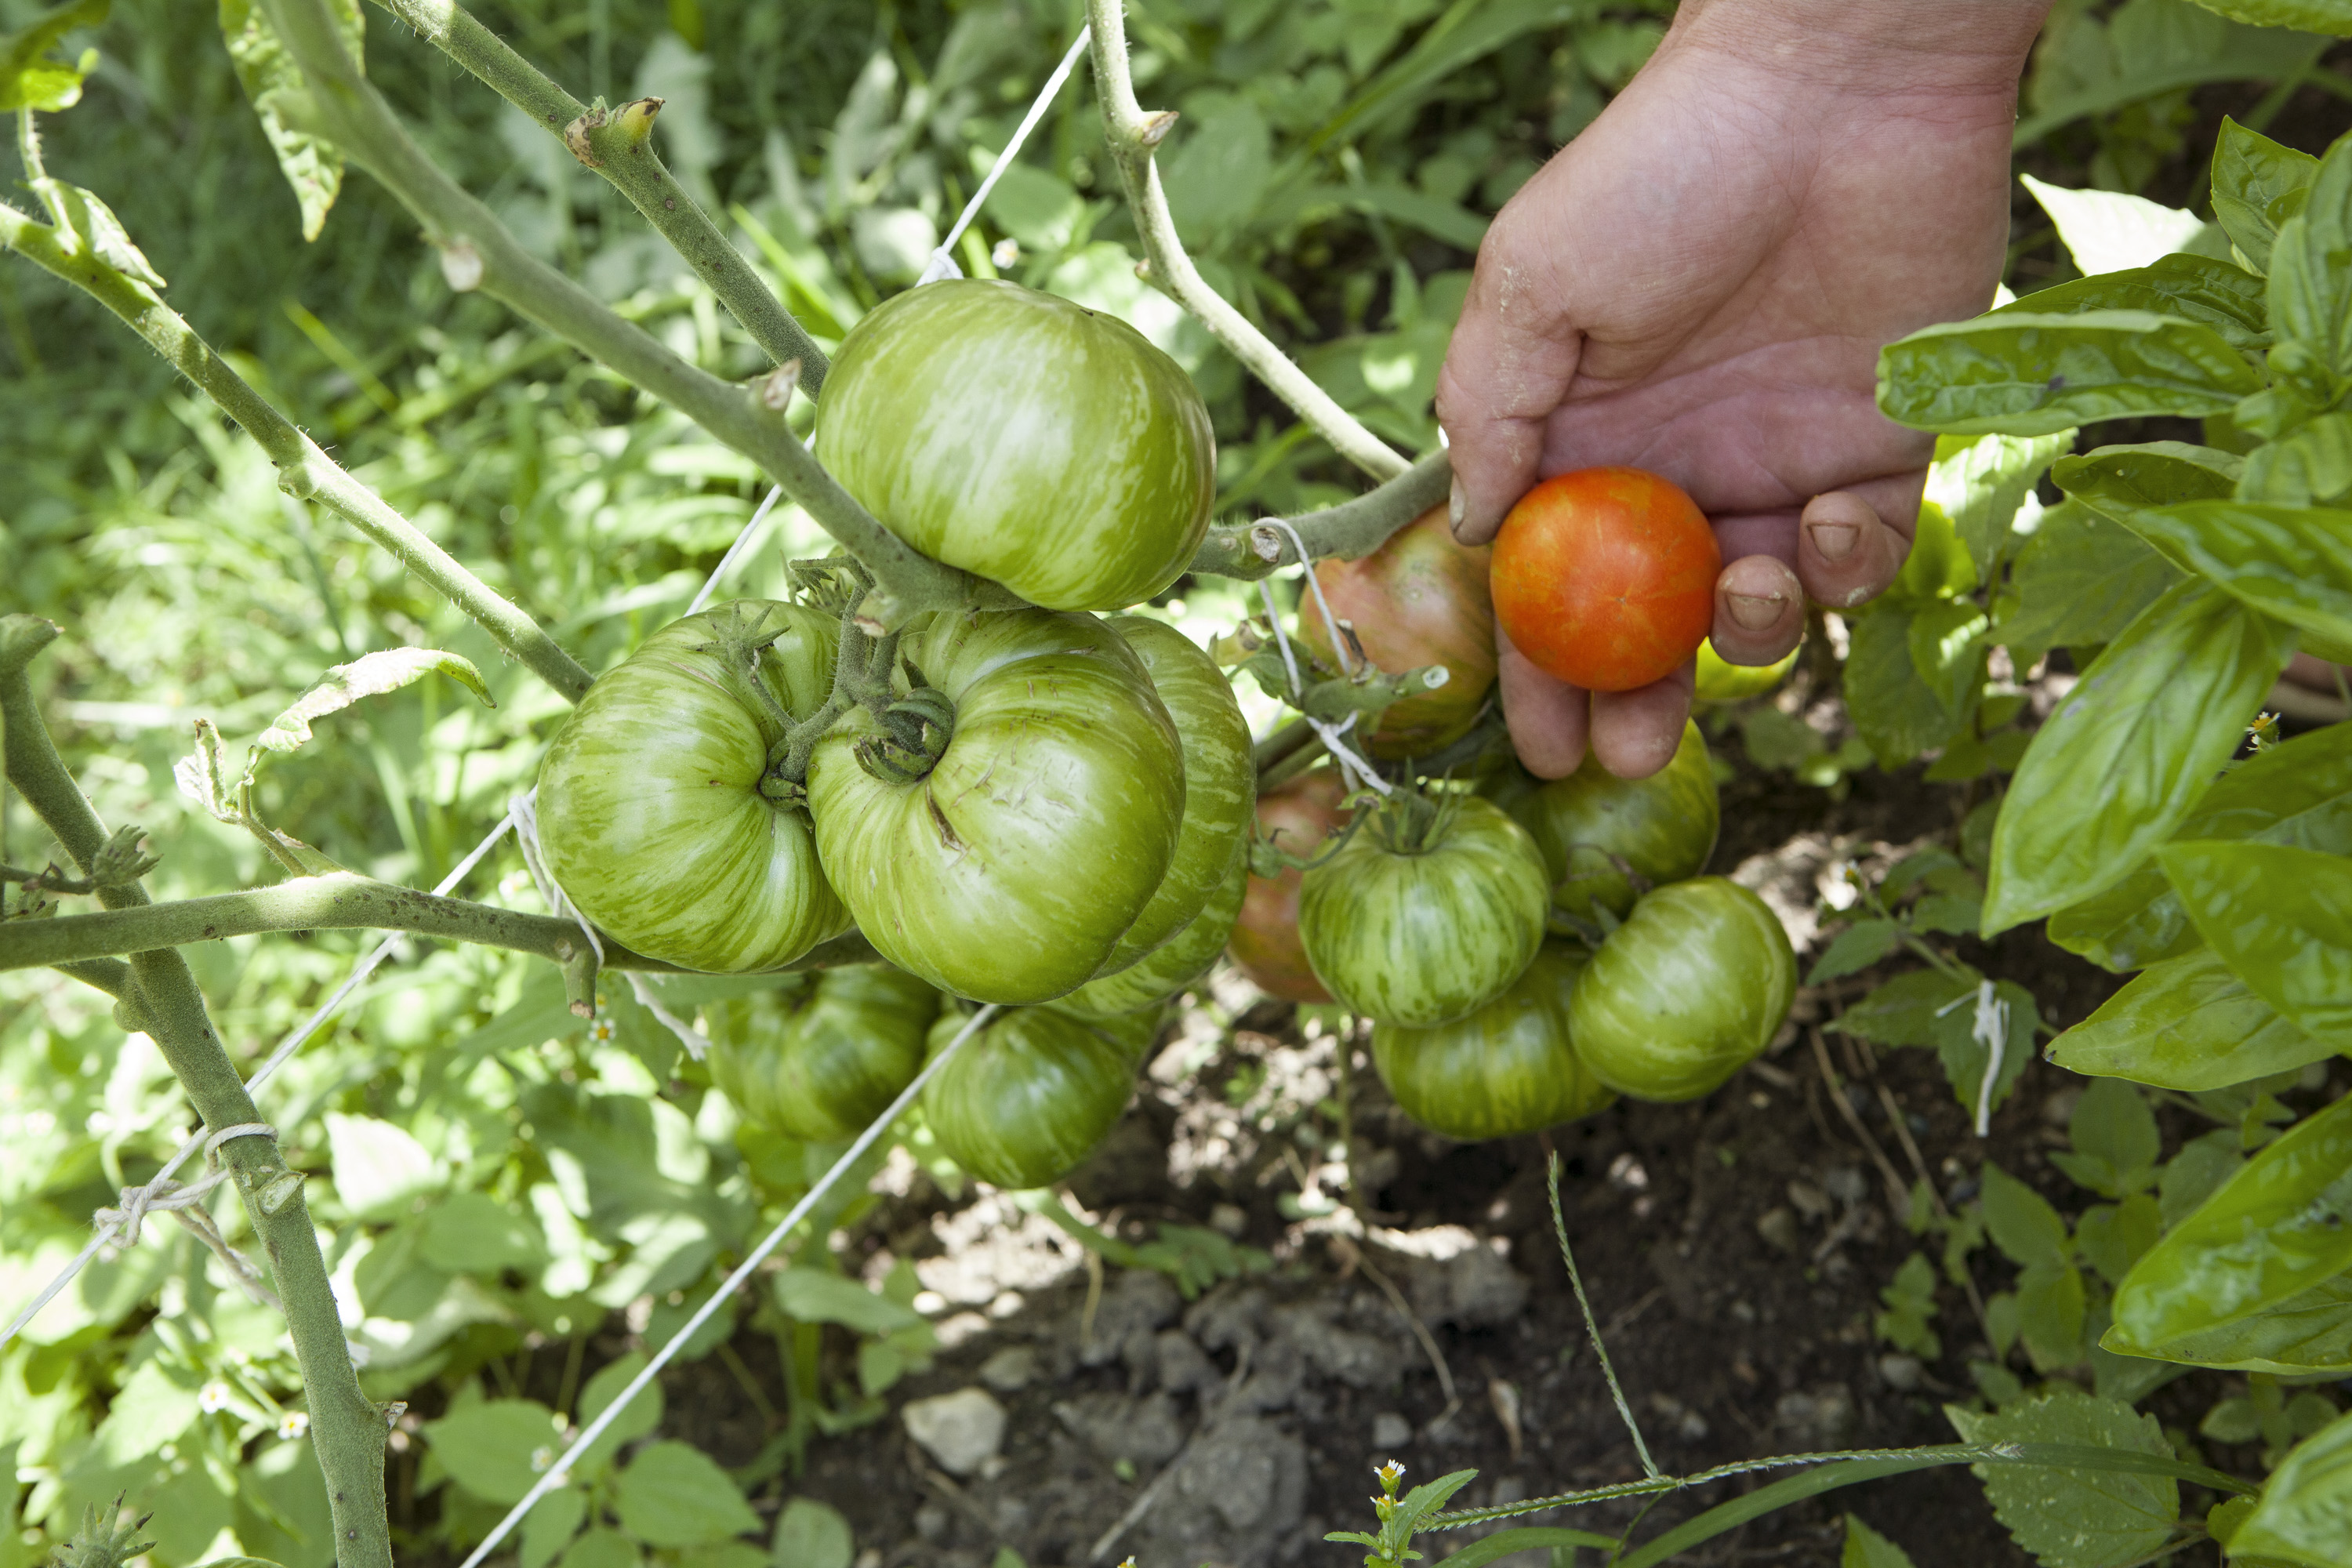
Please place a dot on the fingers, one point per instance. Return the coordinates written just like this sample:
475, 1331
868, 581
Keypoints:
1760, 611
1548, 718
1845, 553
1634, 733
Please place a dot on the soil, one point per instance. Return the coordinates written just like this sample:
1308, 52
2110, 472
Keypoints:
1734, 1249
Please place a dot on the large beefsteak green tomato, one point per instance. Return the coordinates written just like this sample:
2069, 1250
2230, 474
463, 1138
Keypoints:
1023, 438
1010, 869
1428, 913
650, 814
821, 1056
1663, 826
1174, 963
1685, 993
1506, 1069
1029, 1095
1220, 781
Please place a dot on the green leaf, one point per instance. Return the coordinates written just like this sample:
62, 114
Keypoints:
2272, 1231
1527, 1538
2121, 482
2312, 466
153, 1407
2202, 288
2051, 1303
602, 1548
1469, 31
2293, 562
2021, 1222
2305, 15
816, 1296
1222, 164
551, 1523
2188, 1023
672, 1494
28, 81
2311, 265
2257, 185
2113, 1236
1948, 654
371, 675
1977, 483
1938, 565
2078, 581
2111, 1122
1928, 1007
2076, 1518
2128, 751
88, 226
1906, 1010
811, 1535
313, 164
473, 1232
1855, 949
2028, 375
380, 1170
2305, 1512
1896, 708
1865, 1548
639, 1420
2148, 48
2112, 232
2281, 918
2307, 1332
497, 1449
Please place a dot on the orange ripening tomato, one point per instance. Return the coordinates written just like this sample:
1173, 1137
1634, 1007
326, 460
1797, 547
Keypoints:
1419, 599
1605, 578
1299, 815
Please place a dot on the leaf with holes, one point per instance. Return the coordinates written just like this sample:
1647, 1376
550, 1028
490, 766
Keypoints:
371, 675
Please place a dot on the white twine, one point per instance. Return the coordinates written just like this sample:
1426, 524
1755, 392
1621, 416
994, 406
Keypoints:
942, 265
735, 551
111, 1229
1351, 766
1991, 1030
557, 1474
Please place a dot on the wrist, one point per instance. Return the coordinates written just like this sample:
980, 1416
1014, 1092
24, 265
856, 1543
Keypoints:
1878, 45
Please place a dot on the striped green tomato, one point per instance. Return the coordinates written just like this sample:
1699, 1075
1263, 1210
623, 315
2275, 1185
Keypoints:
1663, 826
1220, 781
1031, 1093
650, 814
1009, 871
1023, 438
1174, 963
1417, 922
1688, 990
1506, 1070
823, 1055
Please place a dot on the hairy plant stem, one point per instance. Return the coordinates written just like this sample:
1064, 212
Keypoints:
303, 471
347, 1429
478, 251
338, 901
1351, 529
632, 167
1131, 135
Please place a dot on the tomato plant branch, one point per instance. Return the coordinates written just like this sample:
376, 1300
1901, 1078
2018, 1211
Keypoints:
1132, 136
304, 470
347, 1428
478, 251
629, 162
1351, 529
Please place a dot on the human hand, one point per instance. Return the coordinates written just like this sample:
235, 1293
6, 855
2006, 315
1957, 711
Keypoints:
1699, 285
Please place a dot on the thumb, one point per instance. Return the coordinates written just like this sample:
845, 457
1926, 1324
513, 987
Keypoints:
1512, 358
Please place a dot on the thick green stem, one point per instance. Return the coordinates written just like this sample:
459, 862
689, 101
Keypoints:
477, 252
302, 468
347, 1428
633, 169
1131, 135
1351, 530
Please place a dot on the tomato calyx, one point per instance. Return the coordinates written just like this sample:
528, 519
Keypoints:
1407, 821
916, 730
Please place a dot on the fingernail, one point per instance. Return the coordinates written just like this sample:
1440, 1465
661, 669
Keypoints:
1457, 507
1755, 612
1833, 540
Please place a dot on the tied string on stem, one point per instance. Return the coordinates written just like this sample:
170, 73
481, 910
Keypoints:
1352, 765
524, 810
184, 1202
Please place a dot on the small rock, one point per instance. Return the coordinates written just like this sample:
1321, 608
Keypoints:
1777, 1227
931, 1522
1228, 1319
1009, 1370
1006, 1304
1822, 1417
1900, 1373
1229, 1218
1183, 1368
959, 1430
955, 1330
1809, 1199
1391, 1431
1143, 1432
1138, 1304
1472, 1289
1846, 1185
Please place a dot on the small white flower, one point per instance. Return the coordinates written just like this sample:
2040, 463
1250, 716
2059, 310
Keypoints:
1007, 253
292, 1424
601, 1031
212, 1396
541, 1458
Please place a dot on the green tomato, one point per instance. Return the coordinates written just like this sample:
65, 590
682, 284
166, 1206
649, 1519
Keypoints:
1031, 1093
1722, 681
1688, 990
650, 814
1010, 870
1220, 781
1420, 923
1663, 826
1174, 963
1506, 1069
1023, 438
820, 1058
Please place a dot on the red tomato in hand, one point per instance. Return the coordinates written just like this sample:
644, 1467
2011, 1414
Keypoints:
1299, 815
1605, 578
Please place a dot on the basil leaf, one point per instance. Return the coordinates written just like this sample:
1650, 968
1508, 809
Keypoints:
2219, 294
2031, 374
2307, 1502
2312, 465
2188, 1023
2128, 751
2116, 481
2293, 562
2281, 916
2304, 15
2309, 1332
1979, 482
2311, 265
2078, 580
2257, 185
